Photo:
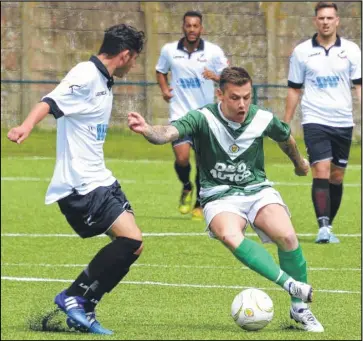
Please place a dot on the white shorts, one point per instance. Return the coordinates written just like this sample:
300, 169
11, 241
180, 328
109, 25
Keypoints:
245, 206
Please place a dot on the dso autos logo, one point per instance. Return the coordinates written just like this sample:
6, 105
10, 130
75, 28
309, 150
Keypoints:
237, 173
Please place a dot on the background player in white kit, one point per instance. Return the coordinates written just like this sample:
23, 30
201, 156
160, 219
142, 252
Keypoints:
194, 64
325, 65
86, 191
234, 188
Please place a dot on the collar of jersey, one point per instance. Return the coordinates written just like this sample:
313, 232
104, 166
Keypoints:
199, 48
103, 70
337, 43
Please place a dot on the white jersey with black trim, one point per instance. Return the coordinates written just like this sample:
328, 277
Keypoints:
190, 89
82, 105
327, 76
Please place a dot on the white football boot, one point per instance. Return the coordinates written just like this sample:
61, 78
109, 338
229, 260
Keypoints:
307, 319
301, 290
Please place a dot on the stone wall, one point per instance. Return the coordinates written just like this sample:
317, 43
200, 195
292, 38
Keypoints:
43, 40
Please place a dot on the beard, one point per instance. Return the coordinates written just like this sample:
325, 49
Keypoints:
119, 73
194, 39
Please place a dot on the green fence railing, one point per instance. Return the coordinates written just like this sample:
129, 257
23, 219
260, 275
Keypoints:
25, 81
255, 87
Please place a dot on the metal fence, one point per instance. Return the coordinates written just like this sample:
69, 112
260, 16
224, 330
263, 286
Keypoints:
19, 96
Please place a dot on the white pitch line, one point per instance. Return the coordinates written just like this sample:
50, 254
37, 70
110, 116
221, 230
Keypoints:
179, 285
153, 234
144, 161
165, 266
157, 182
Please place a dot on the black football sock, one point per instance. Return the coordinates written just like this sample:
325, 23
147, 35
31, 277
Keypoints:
321, 199
105, 271
183, 173
336, 193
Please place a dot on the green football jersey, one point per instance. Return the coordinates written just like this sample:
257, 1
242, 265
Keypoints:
230, 155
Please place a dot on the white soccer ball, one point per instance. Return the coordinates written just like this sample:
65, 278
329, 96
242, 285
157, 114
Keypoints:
252, 309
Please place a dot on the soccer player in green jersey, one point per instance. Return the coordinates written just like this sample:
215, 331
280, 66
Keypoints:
228, 138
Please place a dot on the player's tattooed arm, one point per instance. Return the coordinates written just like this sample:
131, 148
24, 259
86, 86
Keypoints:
161, 134
289, 147
157, 134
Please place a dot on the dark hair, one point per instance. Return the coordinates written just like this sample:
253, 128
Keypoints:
193, 14
323, 4
234, 75
122, 37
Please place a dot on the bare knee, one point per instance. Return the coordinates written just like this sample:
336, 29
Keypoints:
287, 242
321, 170
182, 161
231, 240
139, 250
336, 176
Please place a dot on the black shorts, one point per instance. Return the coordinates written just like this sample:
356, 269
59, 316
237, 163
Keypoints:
94, 213
185, 139
328, 143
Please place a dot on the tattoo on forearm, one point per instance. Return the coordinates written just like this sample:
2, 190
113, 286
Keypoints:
290, 149
161, 134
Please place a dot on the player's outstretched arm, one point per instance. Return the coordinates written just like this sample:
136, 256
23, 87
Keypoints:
20, 133
289, 147
155, 134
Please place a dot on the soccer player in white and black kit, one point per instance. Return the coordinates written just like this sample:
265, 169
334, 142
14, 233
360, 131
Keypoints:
326, 65
194, 64
87, 193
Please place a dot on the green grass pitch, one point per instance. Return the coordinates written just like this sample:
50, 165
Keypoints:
183, 284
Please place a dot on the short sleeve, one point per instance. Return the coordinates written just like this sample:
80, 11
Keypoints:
296, 76
219, 60
71, 96
277, 130
163, 65
355, 71
189, 124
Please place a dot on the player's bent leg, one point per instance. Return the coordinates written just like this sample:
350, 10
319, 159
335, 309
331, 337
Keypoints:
320, 194
197, 212
336, 193
227, 227
182, 168
125, 249
273, 219
110, 265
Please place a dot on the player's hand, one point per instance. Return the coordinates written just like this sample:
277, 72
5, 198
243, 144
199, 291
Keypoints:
167, 95
19, 134
136, 122
303, 168
208, 74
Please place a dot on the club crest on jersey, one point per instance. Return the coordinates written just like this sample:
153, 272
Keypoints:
342, 54
201, 58
234, 148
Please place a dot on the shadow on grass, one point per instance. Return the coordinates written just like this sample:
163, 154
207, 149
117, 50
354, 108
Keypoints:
307, 240
51, 321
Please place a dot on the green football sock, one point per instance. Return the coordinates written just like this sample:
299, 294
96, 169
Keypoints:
258, 259
294, 264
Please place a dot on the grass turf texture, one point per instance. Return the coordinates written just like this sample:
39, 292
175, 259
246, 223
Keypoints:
182, 286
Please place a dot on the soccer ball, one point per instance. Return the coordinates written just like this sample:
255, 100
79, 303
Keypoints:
252, 309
